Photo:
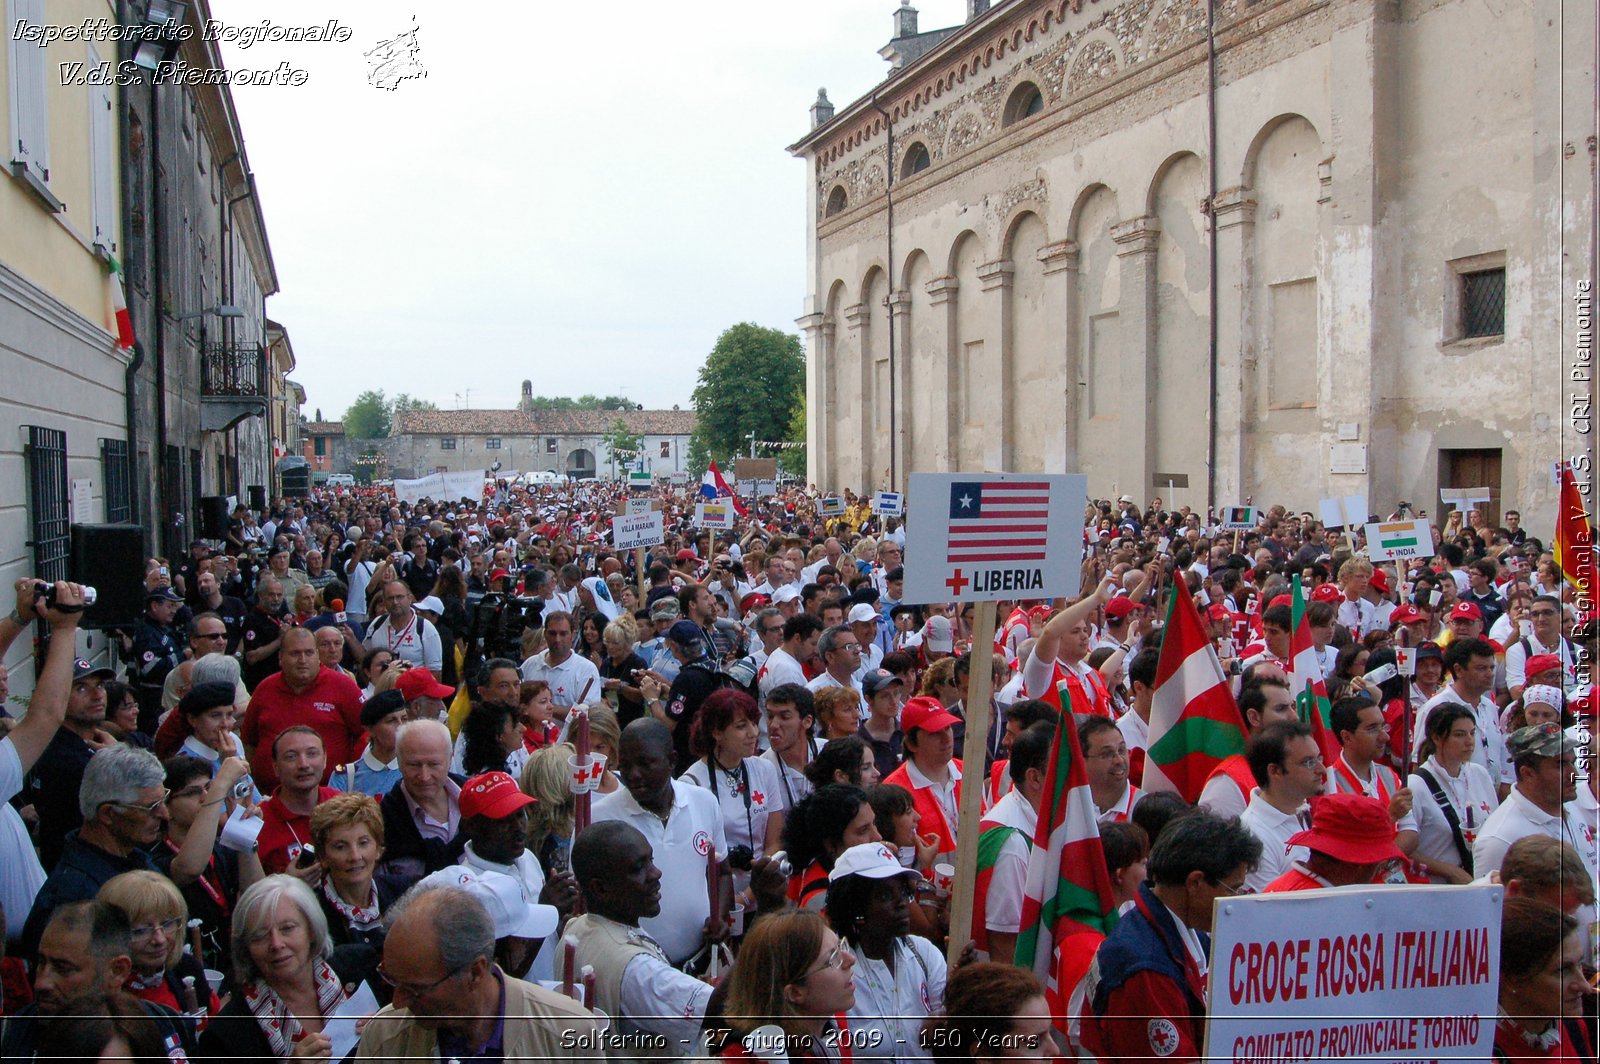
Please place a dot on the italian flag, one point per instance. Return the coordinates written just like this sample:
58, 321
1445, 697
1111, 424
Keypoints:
1194, 720
1574, 545
1068, 892
1305, 680
122, 320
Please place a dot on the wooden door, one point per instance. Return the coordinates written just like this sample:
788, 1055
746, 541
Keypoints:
1472, 469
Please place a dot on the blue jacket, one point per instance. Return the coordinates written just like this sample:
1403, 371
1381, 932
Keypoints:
1136, 945
78, 876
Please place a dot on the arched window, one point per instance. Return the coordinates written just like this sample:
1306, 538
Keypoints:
836, 201
916, 160
1026, 101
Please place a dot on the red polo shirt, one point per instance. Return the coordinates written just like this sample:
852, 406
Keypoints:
331, 705
283, 832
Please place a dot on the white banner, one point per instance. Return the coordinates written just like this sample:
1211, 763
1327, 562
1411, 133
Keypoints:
1382, 974
713, 515
982, 537
637, 530
440, 487
1392, 541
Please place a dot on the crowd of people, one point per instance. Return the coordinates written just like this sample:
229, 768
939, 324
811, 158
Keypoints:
325, 807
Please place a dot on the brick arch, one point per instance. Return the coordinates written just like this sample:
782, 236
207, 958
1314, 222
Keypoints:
1247, 173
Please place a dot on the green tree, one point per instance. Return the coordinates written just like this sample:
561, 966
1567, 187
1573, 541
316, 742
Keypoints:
623, 445
583, 402
793, 459
368, 417
753, 381
403, 402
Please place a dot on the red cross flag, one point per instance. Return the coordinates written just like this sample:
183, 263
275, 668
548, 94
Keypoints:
981, 537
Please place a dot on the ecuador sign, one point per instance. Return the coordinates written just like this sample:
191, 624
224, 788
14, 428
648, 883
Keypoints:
713, 515
980, 537
1384, 974
1396, 541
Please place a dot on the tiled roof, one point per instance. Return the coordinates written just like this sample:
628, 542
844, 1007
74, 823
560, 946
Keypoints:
325, 428
543, 423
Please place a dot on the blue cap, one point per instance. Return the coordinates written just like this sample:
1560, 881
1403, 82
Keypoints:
686, 634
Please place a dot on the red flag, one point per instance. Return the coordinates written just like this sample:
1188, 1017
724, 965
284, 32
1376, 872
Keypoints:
1574, 545
1305, 680
712, 486
1194, 720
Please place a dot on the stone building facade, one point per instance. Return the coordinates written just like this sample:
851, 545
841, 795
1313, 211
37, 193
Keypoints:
1012, 264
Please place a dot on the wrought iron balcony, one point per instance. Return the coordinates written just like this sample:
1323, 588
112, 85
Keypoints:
233, 371
233, 384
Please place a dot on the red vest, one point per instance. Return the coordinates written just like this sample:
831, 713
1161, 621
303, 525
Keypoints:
1097, 696
928, 807
1237, 769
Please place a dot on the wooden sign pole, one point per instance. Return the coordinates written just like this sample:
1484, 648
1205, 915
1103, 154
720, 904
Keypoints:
980, 682
638, 571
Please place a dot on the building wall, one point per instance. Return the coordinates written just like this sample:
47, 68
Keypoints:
415, 455
1051, 288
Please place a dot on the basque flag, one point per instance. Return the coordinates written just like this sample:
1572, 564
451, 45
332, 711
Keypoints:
712, 486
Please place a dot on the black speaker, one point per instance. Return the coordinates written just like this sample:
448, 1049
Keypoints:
110, 559
258, 498
214, 517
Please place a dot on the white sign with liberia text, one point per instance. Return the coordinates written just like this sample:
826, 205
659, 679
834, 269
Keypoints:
714, 515
1398, 541
637, 530
1385, 974
981, 537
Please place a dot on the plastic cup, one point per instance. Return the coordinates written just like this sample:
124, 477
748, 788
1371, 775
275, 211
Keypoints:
944, 877
602, 1022
214, 978
579, 773
736, 919
597, 770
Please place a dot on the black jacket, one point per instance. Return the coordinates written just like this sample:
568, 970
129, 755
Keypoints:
234, 1035
406, 854
19, 1032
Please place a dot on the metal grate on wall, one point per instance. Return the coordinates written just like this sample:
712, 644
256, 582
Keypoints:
118, 475
46, 458
1483, 303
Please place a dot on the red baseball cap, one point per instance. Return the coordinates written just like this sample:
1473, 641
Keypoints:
494, 795
1281, 600
685, 555
752, 601
1121, 606
1464, 611
927, 713
1220, 612
418, 682
1380, 580
499, 574
1406, 615
1541, 663
1327, 593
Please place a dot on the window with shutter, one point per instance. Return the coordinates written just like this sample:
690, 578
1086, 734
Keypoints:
30, 126
102, 163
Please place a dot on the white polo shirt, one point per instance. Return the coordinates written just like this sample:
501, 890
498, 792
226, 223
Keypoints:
1002, 903
897, 1004
416, 642
681, 848
779, 668
1273, 827
743, 825
825, 680
1471, 793
1490, 751
1517, 818
568, 681
24, 875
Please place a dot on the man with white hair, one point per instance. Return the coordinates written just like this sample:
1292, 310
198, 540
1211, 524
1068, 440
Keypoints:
123, 799
422, 815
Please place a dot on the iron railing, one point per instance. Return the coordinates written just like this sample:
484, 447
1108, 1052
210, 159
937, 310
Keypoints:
234, 371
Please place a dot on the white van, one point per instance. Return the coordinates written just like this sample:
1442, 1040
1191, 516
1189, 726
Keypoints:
543, 476
341, 480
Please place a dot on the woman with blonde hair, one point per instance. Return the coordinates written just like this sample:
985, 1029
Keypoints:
162, 971
605, 737
939, 681
795, 973
547, 778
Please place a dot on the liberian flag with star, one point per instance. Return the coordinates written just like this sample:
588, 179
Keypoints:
998, 521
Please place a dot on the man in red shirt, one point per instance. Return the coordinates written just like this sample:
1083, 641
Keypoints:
1351, 835
301, 765
302, 693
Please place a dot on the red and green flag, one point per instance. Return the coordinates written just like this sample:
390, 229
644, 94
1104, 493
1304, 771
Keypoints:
1305, 680
1068, 892
1195, 722
122, 321
1573, 544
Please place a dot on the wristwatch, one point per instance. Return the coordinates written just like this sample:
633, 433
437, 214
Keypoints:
18, 619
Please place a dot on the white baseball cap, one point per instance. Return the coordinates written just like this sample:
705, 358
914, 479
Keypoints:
873, 860
431, 604
940, 640
786, 593
860, 613
502, 897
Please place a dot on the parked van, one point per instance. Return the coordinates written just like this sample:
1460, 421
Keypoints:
341, 480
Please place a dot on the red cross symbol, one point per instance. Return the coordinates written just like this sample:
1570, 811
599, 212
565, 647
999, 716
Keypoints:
956, 583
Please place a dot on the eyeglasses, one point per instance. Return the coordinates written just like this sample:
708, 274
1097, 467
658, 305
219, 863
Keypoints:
168, 929
148, 810
1232, 890
1112, 754
772, 629
416, 991
211, 635
1541, 613
1314, 761
834, 959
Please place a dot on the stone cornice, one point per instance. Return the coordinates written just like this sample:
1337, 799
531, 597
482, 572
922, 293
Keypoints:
1234, 206
856, 315
942, 290
997, 274
900, 303
1136, 236
1062, 255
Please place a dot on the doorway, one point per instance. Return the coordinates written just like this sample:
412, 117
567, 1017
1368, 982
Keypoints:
1473, 468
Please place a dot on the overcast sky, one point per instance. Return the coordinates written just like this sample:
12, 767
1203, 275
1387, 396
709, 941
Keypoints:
580, 196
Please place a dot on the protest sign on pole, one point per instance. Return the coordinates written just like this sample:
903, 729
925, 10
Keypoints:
637, 530
1464, 498
1392, 541
713, 515
830, 505
982, 537
1388, 973
888, 504
1242, 518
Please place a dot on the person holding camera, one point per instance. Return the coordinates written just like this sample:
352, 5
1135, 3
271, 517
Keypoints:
723, 736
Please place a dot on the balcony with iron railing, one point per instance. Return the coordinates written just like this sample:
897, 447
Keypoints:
234, 384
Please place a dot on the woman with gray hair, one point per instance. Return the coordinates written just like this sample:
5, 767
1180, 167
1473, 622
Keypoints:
287, 989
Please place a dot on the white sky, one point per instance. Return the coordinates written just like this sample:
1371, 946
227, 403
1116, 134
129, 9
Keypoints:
581, 195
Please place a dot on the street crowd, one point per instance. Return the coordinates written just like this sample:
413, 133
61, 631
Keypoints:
326, 805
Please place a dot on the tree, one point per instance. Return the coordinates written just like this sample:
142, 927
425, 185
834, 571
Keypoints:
583, 402
793, 459
622, 444
368, 417
753, 381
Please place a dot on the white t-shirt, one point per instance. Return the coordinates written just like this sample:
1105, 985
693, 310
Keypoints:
1002, 903
897, 1004
1222, 797
743, 826
360, 575
780, 668
792, 781
568, 681
681, 848
1517, 661
1490, 751
1471, 793
1273, 827
417, 642
24, 874
825, 680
